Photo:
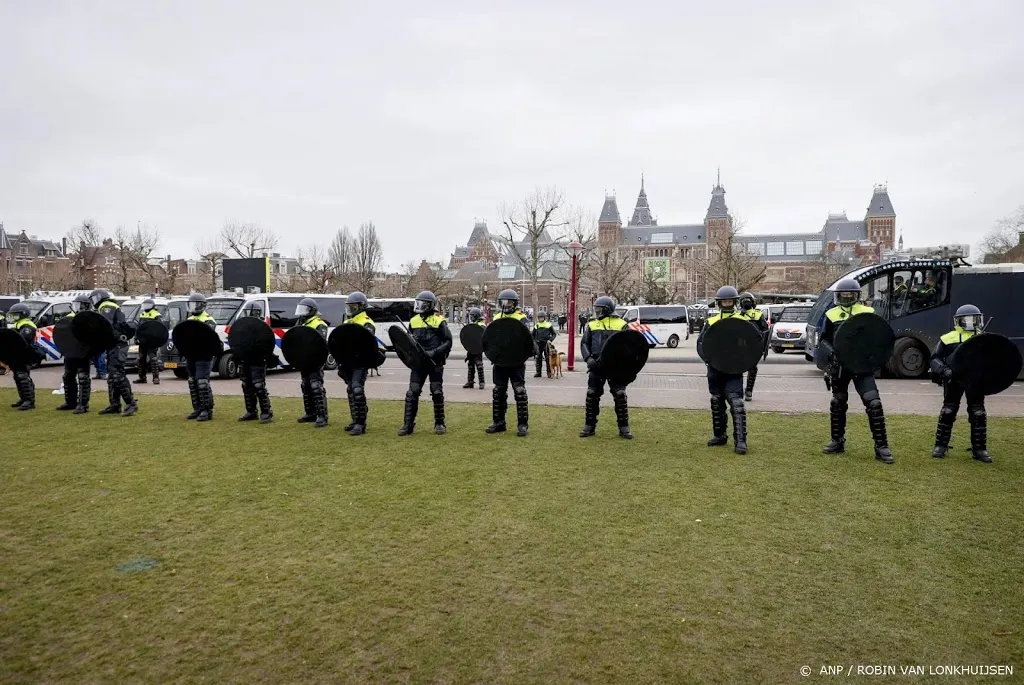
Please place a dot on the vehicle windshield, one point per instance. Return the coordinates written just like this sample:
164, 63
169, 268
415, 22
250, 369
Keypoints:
794, 315
620, 312
130, 311
223, 308
34, 307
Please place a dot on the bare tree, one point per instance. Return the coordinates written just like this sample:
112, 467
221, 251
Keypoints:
435, 278
316, 273
84, 251
614, 273
728, 263
1007, 234
581, 227
407, 275
131, 250
532, 227
340, 255
367, 258
211, 264
247, 240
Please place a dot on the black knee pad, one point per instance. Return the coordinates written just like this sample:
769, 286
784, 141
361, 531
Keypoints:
869, 397
436, 388
593, 393
873, 404
948, 412
520, 392
619, 393
976, 412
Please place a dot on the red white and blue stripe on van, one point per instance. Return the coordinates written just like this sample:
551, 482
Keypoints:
646, 330
44, 341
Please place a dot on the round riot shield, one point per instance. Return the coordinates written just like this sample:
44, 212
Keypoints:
152, 334
988, 363
732, 346
507, 343
408, 350
304, 348
251, 339
623, 355
64, 337
14, 351
864, 343
472, 339
195, 340
353, 346
93, 331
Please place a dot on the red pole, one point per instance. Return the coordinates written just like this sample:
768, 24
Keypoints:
572, 317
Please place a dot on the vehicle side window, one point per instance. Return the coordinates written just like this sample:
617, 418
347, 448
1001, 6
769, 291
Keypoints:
399, 311
875, 293
175, 314
930, 289
282, 311
45, 318
649, 315
631, 315
332, 310
59, 311
376, 314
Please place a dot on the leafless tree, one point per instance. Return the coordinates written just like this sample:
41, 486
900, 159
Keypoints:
247, 240
407, 275
533, 226
367, 258
613, 272
1003, 237
316, 273
84, 251
728, 263
435, 278
340, 255
211, 264
131, 249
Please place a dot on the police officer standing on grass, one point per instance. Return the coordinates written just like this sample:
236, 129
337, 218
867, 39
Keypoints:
604, 324
148, 357
847, 295
967, 322
76, 381
18, 318
253, 374
430, 330
118, 386
543, 333
508, 303
475, 361
314, 396
199, 370
755, 316
355, 379
725, 388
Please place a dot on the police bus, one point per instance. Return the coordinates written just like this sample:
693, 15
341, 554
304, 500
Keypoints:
661, 324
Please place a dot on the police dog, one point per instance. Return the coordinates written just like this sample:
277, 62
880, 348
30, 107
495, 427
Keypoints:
555, 357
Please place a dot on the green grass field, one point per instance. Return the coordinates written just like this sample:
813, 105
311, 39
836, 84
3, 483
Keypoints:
157, 550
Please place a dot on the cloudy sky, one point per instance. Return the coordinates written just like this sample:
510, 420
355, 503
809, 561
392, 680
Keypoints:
311, 115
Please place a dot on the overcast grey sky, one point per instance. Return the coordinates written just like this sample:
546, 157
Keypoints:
421, 116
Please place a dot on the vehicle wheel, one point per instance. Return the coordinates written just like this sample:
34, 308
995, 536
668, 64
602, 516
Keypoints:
228, 367
778, 350
181, 374
331, 365
673, 341
909, 359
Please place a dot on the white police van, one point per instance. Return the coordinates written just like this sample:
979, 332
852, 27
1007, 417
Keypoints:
387, 312
661, 324
278, 311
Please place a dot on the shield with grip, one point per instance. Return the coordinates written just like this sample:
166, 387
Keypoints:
472, 339
732, 346
864, 343
304, 348
353, 346
623, 356
94, 331
988, 363
196, 341
14, 351
408, 350
64, 338
507, 343
152, 333
251, 340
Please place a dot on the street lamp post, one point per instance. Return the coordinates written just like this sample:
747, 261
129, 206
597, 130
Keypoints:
575, 248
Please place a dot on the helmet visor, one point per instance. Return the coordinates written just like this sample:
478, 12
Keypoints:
303, 310
354, 308
95, 298
13, 317
421, 306
76, 306
847, 298
147, 306
194, 307
507, 306
971, 322
726, 305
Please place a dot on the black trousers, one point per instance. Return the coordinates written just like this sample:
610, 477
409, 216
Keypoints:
149, 362
118, 386
727, 391
952, 393
314, 395
542, 357
475, 362
866, 387
199, 384
502, 376
77, 382
417, 377
355, 380
596, 381
254, 388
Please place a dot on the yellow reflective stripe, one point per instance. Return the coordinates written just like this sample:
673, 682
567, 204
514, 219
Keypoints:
609, 323
107, 304
432, 321
957, 336
719, 317
315, 322
362, 318
21, 323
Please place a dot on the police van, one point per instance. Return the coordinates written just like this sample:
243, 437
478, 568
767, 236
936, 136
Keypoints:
661, 324
278, 311
169, 308
221, 307
46, 308
387, 312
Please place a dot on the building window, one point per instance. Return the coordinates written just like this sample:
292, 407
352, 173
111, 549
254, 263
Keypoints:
191, 269
755, 248
776, 249
795, 247
23, 250
813, 247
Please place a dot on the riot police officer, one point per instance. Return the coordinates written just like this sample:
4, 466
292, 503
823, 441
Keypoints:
967, 322
118, 386
725, 388
847, 305
755, 316
475, 361
314, 396
199, 370
543, 333
355, 378
508, 303
604, 324
18, 318
253, 374
430, 330
76, 381
148, 358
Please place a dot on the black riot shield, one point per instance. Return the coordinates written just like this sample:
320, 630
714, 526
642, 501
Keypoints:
472, 339
408, 350
195, 340
623, 355
251, 340
94, 331
64, 337
732, 346
864, 343
507, 343
353, 346
14, 351
988, 363
152, 333
304, 348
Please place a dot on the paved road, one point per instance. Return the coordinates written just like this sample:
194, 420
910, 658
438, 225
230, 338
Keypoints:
785, 383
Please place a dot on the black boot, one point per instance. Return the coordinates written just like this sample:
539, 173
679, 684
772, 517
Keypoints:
739, 424
412, 406
361, 411
470, 369
480, 372
309, 411
84, 391
718, 422
70, 381
876, 420
749, 391
131, 406
263, 397
26, 391
205, 393
944, 430
114, 397
622, 414
141, 379
979, 433
591, 410
193, 393
249, 397
320, 404
522, 411
837, 428
437, 395
499, 406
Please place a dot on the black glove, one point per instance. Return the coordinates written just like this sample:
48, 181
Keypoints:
593, 363
947, 374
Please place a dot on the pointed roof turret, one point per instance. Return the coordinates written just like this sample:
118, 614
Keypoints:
717, 208
610, 211
642, 211
880, 204
479, 233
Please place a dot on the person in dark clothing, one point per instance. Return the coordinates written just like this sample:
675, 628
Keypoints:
475, 361
603, 326
725, 388
118, 386
582, 322
355, 378
755, 316
430, 330
18, 318
543, 333
149, 358
76, 380
199, 370
314, 395
508, 301
253, 374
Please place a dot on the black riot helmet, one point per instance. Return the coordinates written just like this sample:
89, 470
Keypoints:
16, 313
747, 301
99, 295
425, 303
726, 299
306, 309
81, 303
603, 306
508, 300
147, 305
968, 318
196, 304
847, 292
355, 303
476, 314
